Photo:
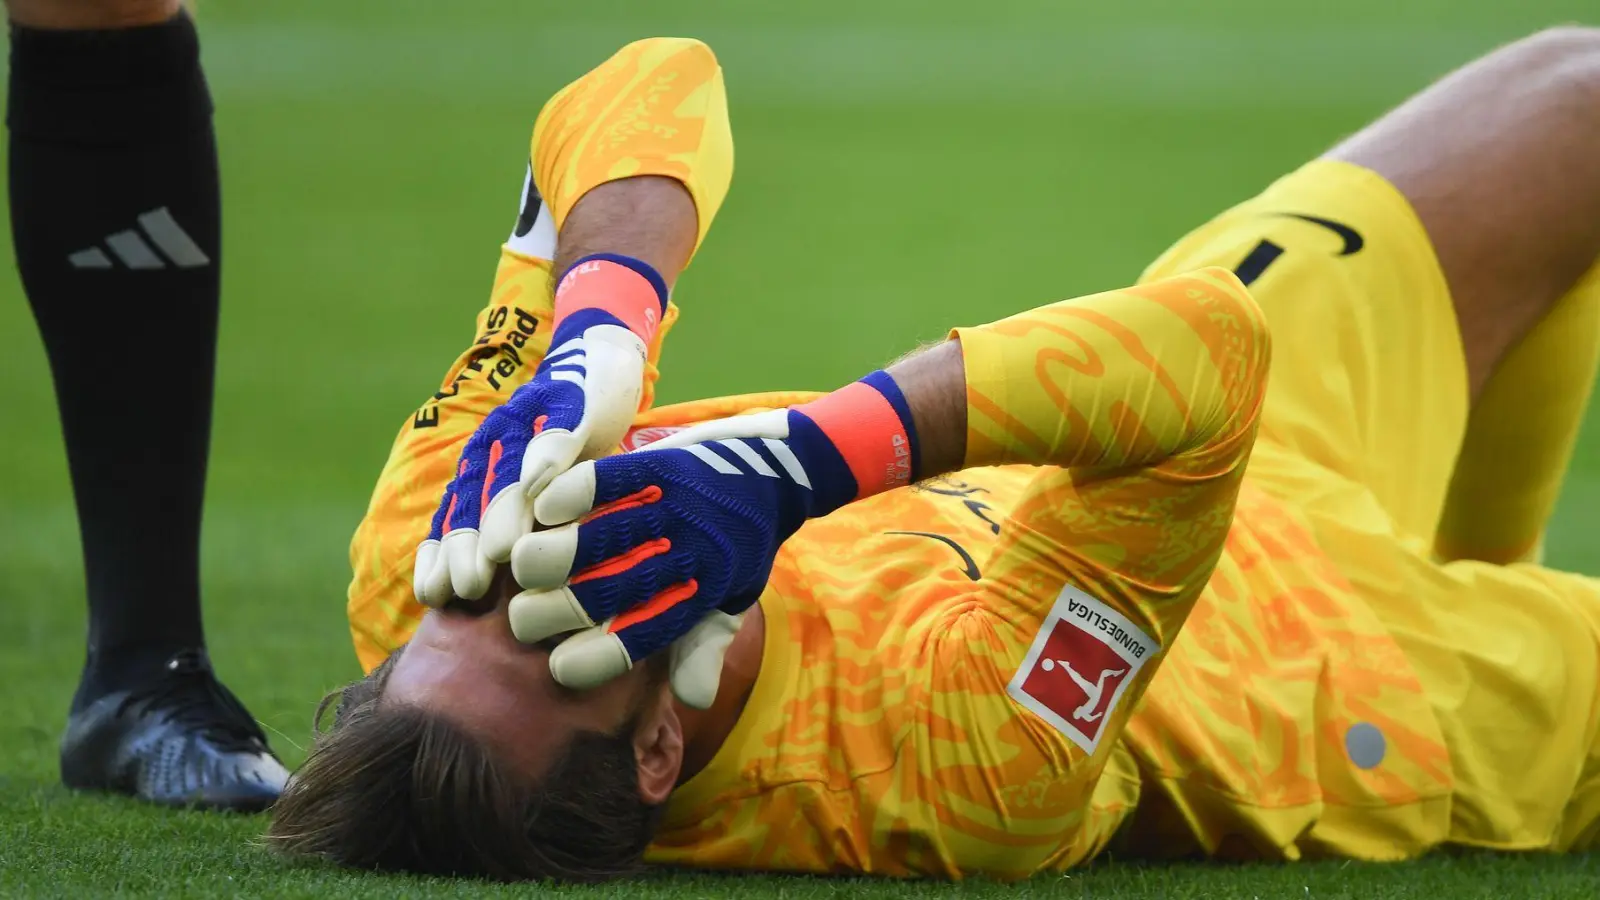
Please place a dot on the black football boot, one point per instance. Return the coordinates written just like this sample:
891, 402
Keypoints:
179, 739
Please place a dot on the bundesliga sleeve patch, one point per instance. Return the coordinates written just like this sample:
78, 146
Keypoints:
1085, 656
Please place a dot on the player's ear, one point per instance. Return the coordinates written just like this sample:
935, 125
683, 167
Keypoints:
658, 749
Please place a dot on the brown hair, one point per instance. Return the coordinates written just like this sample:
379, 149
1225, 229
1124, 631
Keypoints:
397, 788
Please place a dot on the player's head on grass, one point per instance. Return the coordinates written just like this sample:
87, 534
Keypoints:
460, 755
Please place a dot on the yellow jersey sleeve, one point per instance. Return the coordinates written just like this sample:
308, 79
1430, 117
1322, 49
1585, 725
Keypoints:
1144, 405
1166, 375
656, 107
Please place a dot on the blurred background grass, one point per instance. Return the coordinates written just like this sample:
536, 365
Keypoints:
902, 166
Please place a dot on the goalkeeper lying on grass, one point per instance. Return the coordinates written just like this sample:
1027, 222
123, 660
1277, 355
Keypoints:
1017, 599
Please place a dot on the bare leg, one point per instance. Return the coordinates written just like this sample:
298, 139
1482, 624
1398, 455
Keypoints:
1499, 161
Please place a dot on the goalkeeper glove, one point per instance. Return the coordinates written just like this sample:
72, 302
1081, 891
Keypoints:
657, 539
578, 404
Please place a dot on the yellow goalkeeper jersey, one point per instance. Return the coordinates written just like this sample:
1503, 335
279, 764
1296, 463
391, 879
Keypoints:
951, 672
1117, 637
981, 674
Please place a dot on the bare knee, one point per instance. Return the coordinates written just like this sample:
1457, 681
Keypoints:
90, 14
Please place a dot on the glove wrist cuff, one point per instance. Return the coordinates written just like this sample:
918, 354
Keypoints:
627, 289
869, 424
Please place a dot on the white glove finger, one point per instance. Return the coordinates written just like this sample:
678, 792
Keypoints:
509, 516
436, 583
569, 497
536, 615
697, 659
548, 455
589, 659
543, 559
471, 572
427, 552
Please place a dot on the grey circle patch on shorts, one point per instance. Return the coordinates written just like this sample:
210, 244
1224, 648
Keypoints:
1365, 744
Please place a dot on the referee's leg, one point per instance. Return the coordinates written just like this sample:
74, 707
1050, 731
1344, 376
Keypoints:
114, 196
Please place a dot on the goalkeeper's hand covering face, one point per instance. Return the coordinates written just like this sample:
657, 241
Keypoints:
669, 543
578, 405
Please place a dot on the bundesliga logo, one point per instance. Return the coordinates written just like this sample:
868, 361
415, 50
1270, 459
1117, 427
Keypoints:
1085, 656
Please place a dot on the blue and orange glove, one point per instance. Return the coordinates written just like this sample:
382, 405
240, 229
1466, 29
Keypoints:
651, 545
578, 405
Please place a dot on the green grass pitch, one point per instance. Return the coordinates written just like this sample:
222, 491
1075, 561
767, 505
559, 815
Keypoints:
903, 165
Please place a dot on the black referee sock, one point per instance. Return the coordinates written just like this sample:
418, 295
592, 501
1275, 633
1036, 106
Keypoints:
116, 216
